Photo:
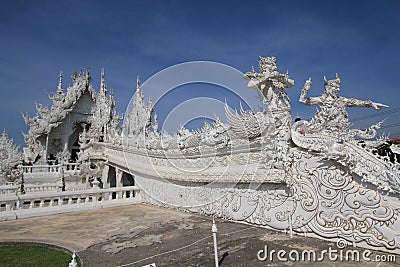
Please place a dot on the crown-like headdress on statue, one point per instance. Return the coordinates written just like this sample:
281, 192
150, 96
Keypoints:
334, 82
265, 63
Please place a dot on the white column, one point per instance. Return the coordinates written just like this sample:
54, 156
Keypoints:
118, 174
106, 184
119, 183
105, 176
47, 147
289, 212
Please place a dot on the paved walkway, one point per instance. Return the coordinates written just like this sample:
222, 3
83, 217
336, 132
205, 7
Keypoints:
133, 235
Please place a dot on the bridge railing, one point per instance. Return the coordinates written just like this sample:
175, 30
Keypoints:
70, 166
30, 188
8, 189
49, 173
40, 168
41, 203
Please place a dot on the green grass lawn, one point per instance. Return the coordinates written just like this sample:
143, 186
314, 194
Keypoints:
32, 256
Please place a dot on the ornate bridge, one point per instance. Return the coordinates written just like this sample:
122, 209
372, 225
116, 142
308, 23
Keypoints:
316, 177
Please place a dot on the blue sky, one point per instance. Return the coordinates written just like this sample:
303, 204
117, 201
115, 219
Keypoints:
360, 40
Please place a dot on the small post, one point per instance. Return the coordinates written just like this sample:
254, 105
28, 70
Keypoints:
290, 222
289, 213
73, 262
61, 184
214, 231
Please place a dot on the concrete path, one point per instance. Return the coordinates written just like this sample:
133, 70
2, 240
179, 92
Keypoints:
137, 235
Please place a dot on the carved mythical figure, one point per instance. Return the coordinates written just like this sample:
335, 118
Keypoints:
271, 86
187, 138
332, 116
216, 135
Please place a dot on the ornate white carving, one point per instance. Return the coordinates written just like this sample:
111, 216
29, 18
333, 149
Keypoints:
323, 200
104, 121
245, 125
395, 148
329, 134
139, 119
259, 168
10, 157
319, 184
215, 135
46, 120
271, 86
332, 116
97, 118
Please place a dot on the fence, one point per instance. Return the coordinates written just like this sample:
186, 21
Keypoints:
45, 203
51, 168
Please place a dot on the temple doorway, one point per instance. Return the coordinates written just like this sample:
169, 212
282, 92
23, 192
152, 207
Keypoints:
128, 180
112, 180
73, 140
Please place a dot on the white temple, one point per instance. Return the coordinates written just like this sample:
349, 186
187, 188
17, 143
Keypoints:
56, 130
317, 177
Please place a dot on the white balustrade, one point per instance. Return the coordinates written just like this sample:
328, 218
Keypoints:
58, 202
71, 166
8, 189
41, 168
29, 188
67, 167
49, 173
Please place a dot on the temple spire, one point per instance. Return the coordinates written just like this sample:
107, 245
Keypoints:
88, 78
137, 83
74, 75
103, 87
60, 88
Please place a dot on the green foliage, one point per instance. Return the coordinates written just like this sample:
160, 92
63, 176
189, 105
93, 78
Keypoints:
32, 256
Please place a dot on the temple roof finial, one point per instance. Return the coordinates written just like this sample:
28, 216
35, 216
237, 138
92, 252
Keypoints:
103, 87
74, 75
137, 83
59, 87
87, 77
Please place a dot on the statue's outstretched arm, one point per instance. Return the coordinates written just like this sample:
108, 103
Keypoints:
308, 100
352, 102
